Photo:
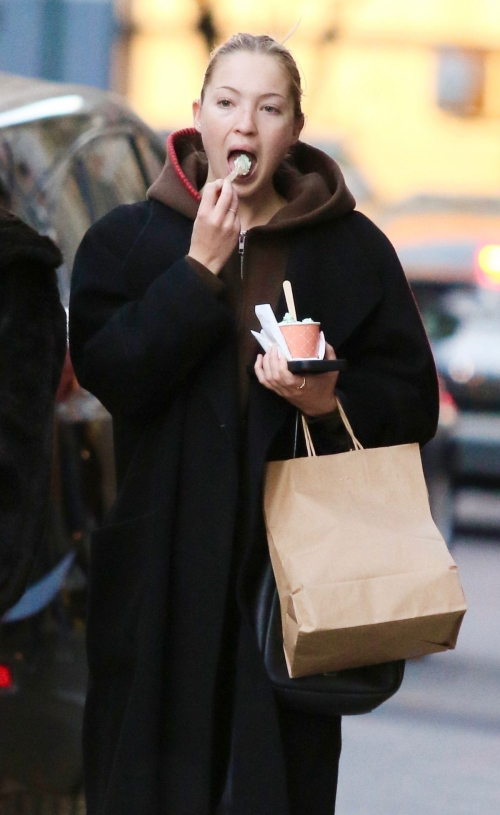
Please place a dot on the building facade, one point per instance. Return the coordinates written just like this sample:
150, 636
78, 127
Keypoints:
413, 87
62, 40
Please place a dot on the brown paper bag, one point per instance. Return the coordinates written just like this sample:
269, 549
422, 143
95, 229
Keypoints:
363, 574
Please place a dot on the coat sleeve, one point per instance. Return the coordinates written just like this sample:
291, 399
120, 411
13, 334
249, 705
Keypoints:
135, 352
390, 390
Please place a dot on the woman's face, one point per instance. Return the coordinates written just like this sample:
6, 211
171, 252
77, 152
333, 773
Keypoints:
247, 107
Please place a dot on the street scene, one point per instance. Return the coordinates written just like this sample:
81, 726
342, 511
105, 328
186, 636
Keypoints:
434, 748
402, 102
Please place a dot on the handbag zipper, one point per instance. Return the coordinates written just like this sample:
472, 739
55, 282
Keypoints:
241, 249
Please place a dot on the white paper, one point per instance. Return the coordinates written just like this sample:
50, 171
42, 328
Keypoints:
271, 329
321, 346
271, 333
263, 340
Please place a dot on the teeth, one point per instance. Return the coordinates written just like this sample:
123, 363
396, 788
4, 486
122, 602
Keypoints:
242, 164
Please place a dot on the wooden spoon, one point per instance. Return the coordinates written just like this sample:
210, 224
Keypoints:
290, 303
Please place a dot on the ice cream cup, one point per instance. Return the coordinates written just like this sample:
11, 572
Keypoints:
302, 339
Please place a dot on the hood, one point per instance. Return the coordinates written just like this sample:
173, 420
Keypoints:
19, 242
311, 182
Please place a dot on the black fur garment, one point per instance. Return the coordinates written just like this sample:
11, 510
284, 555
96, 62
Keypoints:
32, 350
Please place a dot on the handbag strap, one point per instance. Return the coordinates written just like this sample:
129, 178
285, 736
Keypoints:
307, 433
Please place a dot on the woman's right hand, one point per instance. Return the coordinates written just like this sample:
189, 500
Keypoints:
217, 227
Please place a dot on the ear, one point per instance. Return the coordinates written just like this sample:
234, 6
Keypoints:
197, 114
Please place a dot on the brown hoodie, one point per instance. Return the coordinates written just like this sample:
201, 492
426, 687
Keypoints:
315, 189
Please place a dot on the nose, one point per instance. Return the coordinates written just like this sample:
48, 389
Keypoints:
246, 121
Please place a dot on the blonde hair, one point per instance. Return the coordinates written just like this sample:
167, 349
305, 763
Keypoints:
261, 44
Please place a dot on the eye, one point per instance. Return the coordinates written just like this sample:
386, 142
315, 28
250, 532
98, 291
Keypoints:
224, 103
271, 109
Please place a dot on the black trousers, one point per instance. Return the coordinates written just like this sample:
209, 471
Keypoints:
312, 746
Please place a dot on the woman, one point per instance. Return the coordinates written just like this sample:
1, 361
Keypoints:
181, 717
33, 346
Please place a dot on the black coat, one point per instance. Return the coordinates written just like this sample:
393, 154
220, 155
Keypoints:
175, 673
32, 349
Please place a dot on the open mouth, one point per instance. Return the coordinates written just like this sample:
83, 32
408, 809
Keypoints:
233, 155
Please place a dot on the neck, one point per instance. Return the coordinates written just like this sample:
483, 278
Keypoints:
260, 208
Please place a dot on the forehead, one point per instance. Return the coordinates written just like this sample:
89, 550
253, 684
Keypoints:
251, 74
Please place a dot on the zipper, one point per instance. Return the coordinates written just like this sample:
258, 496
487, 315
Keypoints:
241, 249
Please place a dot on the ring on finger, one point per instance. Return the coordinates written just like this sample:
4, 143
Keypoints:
232, 210
299, 387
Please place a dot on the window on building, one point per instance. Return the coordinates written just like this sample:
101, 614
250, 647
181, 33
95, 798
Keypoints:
461, 81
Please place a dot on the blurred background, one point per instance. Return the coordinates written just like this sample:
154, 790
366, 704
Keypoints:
406, 97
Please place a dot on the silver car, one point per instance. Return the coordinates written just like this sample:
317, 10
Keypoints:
68, 154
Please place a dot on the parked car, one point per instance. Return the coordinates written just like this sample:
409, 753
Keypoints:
436, 458
467, 356
450, 250
68, 154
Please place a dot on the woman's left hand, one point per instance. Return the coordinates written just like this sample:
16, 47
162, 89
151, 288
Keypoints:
316, 397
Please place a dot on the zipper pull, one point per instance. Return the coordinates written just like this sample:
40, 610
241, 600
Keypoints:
241, 249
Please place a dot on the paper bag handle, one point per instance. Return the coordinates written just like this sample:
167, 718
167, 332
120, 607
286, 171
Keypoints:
307, 433
309, 442
357, 444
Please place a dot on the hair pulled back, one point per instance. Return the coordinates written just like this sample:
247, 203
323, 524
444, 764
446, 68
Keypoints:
260, 44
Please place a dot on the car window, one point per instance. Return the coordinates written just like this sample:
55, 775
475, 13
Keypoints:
446, 308
70, 219
439, 317
152, 156
32, 149
103, 174
110, 174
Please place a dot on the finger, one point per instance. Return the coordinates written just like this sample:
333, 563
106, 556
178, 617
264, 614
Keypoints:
225, 198
274, 363
235, 200
259, 373
211, 192
286, 375
232, 212
280, 377
231, 221
329, 352
258, 364
233, 206
268, 373
279, 368
209, 197
266, 367
270, 364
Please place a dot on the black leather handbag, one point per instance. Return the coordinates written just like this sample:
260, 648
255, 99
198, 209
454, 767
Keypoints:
339, 693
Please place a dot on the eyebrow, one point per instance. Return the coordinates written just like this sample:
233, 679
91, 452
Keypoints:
262, 96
